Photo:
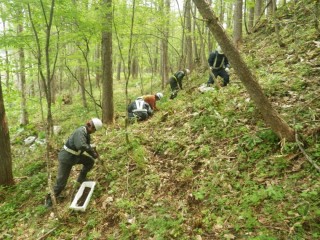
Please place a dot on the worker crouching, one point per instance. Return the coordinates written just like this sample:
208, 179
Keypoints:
139, 110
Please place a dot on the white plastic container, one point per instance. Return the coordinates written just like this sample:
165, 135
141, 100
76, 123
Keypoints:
75, 203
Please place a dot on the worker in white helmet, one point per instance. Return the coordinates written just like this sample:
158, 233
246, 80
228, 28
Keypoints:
77, 150
176, 82
139, 110
152, 99
219, 65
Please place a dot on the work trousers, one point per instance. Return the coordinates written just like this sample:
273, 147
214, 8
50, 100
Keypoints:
64, 170
219, 72
174, 87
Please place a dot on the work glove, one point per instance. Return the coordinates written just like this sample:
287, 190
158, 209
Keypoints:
93, 151
211, 68
227, 70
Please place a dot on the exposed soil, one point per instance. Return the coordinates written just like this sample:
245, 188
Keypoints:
83, 197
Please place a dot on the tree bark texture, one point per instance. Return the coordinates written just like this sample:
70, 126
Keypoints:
135, 67
82, 85
24, 114
237, 24
119, 70
164, 45
250, 18
6, 177
257, 11
107, 74
269, 114
188, 41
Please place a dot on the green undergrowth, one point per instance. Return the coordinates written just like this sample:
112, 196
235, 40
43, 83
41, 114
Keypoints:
205, 165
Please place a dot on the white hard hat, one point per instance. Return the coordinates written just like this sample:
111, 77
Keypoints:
139, 98
159, 95
219, 50
97, 123
187, 71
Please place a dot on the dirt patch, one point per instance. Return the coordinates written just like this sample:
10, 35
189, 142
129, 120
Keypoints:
83, 197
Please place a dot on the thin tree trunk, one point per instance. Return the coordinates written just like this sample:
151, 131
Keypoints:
276, 23
119, 71
188, 41
195, 42
152, 66
155, 60
6, 58
98, 68
317, 14
164, 43
269, 114
107, 74
24, 113
251, 18
200, 54
22, 76
135, 67
82, 86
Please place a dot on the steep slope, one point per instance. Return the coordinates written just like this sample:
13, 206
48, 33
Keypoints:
205, 166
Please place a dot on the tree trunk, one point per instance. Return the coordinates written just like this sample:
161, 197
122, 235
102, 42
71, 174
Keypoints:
119, 71
229, 15
201, 53
6, 177
269, 114
164, 43
317, 13
276, 23
98, 68
82, 86
269, 4
222, 11
251, 18
155, 59
237, 24
6, 57
107, 75
24, 113
135, 67
195, 43
188, 41
257, 11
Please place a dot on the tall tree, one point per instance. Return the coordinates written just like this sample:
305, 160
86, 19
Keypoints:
6, 52
83, 85
269, 114
276, 23
107, 74
6, 177
257, 10
188, 42
47, 72
24, 113
237, 23
164, 43
317, 13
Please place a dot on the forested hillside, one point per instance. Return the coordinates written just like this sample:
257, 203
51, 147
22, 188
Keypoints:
205, 166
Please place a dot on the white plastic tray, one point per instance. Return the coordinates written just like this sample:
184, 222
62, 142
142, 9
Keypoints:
74, 204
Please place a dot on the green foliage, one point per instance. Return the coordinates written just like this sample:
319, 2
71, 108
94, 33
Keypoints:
200, 194
164, 226
137, 153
